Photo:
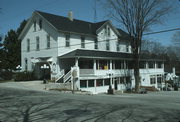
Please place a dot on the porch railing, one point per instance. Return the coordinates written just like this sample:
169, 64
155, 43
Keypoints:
60, 75
67, 76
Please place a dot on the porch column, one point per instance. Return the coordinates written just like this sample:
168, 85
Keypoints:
110, 64
162, 65
156, 85
146, 65
125, 65
155, 65
94, 66
76, 62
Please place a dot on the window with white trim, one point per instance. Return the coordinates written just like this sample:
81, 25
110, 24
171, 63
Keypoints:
82, 42
95, 43
37, 43
67, 37
152, 79
26, 64
28, 45
48, 42
107, 45
34, 25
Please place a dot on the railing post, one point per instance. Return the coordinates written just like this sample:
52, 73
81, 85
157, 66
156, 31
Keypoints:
94, 66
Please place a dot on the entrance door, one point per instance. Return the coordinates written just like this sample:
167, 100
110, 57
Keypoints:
115, 84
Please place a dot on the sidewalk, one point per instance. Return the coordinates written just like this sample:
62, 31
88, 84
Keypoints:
28, 85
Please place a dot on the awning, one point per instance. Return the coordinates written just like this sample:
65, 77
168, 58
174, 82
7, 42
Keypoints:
41, 59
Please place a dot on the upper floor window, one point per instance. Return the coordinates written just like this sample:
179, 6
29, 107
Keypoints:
109, 31
40, 24
28, 45
37, 43
96, 43
67, 40
34, 24
48, 41
105, 30
118, 46
82, 42
107, 45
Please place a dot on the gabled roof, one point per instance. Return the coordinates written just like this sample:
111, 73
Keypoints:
76, 26
64, 24
82, 53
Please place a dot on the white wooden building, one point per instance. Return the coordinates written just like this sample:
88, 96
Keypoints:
99, 52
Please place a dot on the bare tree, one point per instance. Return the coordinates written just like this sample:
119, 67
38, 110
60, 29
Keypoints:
137, 16
176, 41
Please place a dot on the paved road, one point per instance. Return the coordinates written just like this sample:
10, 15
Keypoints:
20, 105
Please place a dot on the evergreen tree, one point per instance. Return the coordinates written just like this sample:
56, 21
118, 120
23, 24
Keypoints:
12, 48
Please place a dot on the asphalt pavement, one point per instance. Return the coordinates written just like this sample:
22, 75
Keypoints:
25, 105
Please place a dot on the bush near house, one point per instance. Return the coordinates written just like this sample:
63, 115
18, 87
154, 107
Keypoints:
24, 76
5, 75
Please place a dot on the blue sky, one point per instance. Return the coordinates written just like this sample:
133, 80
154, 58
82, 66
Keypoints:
13, 12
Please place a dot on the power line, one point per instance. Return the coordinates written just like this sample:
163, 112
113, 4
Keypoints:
104, 40
163, 31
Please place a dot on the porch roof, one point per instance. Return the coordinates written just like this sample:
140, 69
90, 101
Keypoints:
96, 54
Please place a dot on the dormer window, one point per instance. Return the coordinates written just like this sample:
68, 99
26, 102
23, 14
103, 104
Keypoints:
34, 24
105, 30
109, 31
40, 24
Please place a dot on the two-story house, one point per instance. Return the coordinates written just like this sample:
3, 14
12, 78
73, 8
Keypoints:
93, 55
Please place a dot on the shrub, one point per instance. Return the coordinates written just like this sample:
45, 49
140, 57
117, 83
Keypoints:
6, 74
23, 76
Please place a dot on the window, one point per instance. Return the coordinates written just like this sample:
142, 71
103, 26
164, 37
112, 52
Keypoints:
105, 31
83, 83
37, 43
107, 45
159, 64
142, 64
40, 24
26, 64
96, 44
85, 64
151, 64
48, 41
99, 82
159, 79
82, 42
34, 25
107, 82
127, 48
122, 80
67, 40
118, 48
109, 32
153, 79
103, 64
90, 83
28, 45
